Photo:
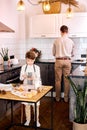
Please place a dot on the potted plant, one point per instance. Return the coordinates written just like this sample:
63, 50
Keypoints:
80, 112
4, 55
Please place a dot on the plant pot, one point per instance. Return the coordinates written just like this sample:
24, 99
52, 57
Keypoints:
5, 63
77, 126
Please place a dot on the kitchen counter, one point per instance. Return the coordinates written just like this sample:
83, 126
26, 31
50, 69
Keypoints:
79, 72
75, 63
46, 61
4, 69
78, 61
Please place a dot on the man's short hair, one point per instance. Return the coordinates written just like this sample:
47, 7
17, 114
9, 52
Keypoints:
64, 29
30, 55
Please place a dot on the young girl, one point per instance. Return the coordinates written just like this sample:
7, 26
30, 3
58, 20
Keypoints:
29, 74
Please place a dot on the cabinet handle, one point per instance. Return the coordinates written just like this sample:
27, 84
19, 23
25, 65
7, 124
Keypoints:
11, 80
73, 35
43, 35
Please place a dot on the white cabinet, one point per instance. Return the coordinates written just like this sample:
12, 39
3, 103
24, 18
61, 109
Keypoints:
48, 25
77, 24
45, 26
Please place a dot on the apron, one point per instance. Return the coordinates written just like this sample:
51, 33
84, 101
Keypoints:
30, 82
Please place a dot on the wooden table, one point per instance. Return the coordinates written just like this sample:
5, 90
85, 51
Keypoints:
34, 99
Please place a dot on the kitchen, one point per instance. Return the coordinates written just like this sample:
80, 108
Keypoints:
19, 42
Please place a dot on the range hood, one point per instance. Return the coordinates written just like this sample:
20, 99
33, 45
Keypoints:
5, 28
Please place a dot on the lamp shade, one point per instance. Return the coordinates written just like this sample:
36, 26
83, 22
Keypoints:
46, 6
69, 12
20, 5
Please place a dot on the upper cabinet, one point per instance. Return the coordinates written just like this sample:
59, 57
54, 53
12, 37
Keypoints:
45, 25
48, 25
77, 24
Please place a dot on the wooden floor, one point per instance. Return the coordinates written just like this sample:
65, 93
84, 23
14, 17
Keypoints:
60, 117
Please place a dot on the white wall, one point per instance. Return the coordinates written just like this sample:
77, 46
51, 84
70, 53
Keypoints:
15, 20
19, 42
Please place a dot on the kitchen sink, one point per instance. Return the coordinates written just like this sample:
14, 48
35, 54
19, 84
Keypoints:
80, 60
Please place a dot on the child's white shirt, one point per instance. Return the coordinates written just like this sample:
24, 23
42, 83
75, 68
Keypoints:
35, 70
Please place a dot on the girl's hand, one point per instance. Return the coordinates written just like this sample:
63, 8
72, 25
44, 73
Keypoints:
31, 78
24, 76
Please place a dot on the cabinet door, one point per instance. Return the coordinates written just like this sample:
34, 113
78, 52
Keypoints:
51, 75
47, 73
3, 77
13, 76
2, 108
44, 73
77, 24
44, 26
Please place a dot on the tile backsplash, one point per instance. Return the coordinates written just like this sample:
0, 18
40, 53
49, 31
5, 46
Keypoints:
19, 47
80, 47
45, 45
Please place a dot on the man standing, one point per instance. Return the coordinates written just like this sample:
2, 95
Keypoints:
63, 51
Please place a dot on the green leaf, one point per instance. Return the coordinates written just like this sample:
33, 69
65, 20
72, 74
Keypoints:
81, 101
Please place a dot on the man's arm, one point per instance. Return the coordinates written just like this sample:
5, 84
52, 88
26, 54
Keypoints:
53, 50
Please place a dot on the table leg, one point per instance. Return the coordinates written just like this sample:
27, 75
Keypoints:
11, 112
35, 116
11, 117
52, 109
